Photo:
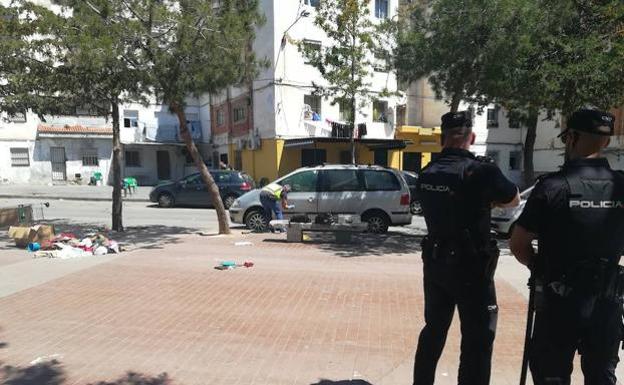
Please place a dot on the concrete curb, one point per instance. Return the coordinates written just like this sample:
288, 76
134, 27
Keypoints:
55, 197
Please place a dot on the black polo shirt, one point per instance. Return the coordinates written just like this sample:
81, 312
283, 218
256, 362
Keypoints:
483, 184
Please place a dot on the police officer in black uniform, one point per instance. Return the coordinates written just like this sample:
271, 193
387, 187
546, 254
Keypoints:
457, 192
577, 216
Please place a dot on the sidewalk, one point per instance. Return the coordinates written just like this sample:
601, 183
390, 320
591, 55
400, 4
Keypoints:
305, 314
69, 192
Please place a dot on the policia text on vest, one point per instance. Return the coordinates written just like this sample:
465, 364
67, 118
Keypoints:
577, 284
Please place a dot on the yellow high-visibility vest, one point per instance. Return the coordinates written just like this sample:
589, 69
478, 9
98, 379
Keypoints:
275, 190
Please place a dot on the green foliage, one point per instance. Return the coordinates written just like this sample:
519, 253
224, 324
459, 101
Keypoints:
346, 65
191, 47
528, 55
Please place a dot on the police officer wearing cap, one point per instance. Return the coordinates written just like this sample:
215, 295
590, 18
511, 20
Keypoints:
457, 191
577, 216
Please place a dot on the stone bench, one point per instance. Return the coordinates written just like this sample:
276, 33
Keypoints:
342, 232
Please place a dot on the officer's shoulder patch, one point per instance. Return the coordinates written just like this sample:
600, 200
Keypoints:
485, 159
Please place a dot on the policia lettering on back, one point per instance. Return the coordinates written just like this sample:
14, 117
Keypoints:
578, 216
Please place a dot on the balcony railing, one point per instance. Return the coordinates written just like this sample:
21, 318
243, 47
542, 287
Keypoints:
167, 133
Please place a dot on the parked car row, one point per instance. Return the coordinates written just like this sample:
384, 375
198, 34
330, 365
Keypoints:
191, 190
380, 196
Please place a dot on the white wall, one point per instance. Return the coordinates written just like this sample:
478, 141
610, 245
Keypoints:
40, 169
155, 116
278, 109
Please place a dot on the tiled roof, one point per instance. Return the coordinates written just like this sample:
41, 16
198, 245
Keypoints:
44, 129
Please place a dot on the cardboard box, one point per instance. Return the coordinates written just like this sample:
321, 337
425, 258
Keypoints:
25, 235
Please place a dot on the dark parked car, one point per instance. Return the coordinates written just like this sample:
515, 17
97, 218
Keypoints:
191, 190
412, 178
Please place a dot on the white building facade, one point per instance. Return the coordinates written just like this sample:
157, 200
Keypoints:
277, 124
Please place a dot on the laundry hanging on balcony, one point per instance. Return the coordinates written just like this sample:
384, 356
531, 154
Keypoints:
342, 130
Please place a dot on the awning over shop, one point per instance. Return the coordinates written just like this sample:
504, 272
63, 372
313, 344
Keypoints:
372, 144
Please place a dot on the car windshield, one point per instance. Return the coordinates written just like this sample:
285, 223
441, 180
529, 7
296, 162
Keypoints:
192, 179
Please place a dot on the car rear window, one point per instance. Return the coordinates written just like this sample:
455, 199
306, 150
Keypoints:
377, 180
221, 177
248, 179
340, 180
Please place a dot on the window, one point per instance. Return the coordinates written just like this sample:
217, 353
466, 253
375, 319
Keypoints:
340, 180
311, 46
133, 159
18, 117
311, 157
238, 160
380, 64
131, 118
221, 177
194, 179
304, 181
513, 119
313, 3
220, 117
381, 157
315, 106
239, 114
381, 9
380, 181
492, 117
514, 160
345, 157
90, 157
379, 111
495, 155
346, 110
19, 157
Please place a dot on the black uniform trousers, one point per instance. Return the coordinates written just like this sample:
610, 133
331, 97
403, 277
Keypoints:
446, 285
566, 324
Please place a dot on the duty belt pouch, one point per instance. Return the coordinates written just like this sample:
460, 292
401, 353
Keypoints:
492, 253
429, 249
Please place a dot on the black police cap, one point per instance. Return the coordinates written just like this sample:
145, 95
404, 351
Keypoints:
456, 119
592, 122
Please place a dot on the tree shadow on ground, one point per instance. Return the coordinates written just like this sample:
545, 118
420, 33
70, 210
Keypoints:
134, 237
53, 373
364, 244
342, 382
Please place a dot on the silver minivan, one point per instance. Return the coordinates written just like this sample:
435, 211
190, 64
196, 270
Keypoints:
378, 195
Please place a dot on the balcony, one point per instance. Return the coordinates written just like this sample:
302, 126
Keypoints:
165, 133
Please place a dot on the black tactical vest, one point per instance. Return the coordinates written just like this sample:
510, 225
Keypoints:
449, 205
591, 225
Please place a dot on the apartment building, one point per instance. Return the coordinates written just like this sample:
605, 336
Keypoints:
277, 124
74, 147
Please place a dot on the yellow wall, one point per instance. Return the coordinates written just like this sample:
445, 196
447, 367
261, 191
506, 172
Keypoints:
272, 160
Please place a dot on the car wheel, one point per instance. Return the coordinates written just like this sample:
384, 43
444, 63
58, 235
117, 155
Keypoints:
378, 222
229, 201
165, 200
415, 208
255, 221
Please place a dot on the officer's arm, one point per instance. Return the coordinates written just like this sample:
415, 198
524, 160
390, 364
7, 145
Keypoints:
521, 244
512, 203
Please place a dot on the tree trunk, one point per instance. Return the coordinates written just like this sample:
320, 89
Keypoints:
529, 146
211, 186
455, 102
352, 138
117, 182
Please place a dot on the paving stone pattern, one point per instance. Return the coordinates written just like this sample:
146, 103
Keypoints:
300, 315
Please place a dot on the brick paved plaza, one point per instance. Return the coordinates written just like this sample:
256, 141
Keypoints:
316, 313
